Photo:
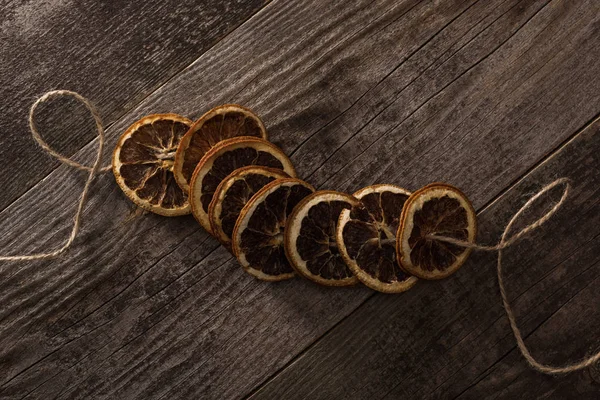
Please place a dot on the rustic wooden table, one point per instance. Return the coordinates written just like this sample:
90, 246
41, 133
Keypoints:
497, 97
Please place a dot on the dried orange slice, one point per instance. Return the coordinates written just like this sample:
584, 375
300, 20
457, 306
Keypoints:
222, 122
225, 158
233, 193
310, 243
366, 236
435, 210
143, 164
257, 239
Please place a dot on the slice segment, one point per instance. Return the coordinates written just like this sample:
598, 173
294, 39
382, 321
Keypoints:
310, 243
437, 209
142, 163
233, 193
225, 158
220, 123
366, 236
258, 241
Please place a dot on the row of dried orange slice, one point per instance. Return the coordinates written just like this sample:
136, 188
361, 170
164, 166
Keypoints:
243, 190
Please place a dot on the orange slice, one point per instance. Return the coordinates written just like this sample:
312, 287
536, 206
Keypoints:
233, 193
310, 243
143, 164
435, 210
366, 236
225, 158
220, 123
257, 240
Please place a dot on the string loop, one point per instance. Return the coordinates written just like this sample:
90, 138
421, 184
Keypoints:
94, 170
506, 241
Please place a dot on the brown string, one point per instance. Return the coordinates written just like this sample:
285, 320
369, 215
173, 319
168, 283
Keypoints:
504, 243
96, 169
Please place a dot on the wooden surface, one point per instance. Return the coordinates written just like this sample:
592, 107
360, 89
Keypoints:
497, 97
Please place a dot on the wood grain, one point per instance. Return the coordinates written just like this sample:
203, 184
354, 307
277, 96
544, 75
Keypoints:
113, 52
474, 93
451, 339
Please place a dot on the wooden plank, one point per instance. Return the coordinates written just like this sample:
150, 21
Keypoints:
451, 339
114, 52
146, 308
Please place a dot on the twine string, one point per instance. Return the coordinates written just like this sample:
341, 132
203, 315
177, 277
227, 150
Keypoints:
506, 241
94, 170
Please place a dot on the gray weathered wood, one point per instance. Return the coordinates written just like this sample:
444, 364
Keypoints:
451, 339
114, 52
473, 92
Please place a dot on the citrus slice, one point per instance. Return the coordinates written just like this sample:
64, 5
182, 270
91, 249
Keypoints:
233, 193
366, 236
222, 122
257, 239
310, 243
435, 210
225, 158
143, 164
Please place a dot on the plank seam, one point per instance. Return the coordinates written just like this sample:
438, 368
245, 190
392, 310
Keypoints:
386, 133
342, 41
407, 58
